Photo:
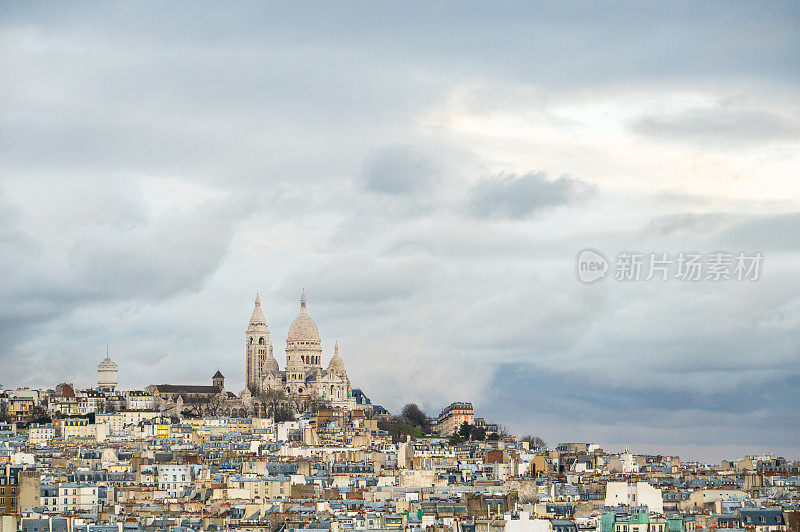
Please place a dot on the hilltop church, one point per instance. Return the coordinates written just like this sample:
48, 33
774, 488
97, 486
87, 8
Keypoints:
304, 377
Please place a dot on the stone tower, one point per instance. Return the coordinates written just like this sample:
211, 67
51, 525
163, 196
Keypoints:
106, 375
218, 380
258, 347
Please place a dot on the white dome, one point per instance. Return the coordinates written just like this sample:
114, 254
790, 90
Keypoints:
303, 327
336, 365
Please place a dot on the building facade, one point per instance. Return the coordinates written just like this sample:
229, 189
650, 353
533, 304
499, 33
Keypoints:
453, 416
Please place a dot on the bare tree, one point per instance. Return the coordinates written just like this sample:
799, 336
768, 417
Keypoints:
278, 404
535, 442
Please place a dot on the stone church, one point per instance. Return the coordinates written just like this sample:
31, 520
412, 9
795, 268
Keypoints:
304, 377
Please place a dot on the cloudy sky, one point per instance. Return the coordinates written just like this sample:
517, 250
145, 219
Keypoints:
428, 172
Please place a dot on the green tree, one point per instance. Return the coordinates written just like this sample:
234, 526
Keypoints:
37, 414
456, 439
477, 433
464, 430
414, 415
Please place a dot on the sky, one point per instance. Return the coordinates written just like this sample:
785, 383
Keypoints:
428, 173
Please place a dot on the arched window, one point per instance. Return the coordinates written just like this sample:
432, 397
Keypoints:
251, 340
261, 341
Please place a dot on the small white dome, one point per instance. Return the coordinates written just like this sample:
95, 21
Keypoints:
336, 365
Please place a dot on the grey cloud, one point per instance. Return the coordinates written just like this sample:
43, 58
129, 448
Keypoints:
728, 231
777, 233
512, 196
81, 265
721, 127
399, 170
686, 224
174, 254
643, 415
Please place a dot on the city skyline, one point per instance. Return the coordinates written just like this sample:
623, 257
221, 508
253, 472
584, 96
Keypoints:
429, 173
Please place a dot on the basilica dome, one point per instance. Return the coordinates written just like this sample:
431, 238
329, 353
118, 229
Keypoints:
336, 365
303, 327
270, 364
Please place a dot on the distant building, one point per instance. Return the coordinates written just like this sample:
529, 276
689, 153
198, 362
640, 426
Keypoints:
170, 392
106, 375
41, 433
638, 494
453, 416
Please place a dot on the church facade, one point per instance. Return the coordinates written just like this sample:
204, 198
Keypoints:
303, 378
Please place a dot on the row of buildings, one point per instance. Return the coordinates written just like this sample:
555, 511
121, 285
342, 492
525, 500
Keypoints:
338, 470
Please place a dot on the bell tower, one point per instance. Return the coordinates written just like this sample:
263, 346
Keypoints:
257, 348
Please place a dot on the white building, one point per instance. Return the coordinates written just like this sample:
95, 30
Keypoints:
120, 422
623, 463
174, 479
138, 400
106, 375
41, 434
77, 498
638, 494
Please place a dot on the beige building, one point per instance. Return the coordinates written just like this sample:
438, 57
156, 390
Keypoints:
453, 416
77, 428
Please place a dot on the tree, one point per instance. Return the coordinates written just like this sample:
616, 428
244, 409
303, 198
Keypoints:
277, 403
536, 443
463, 430
456, 438
477, 433
399, 428
503, 432
315, 404
283, 413
37, 414
414, 415
5, 417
